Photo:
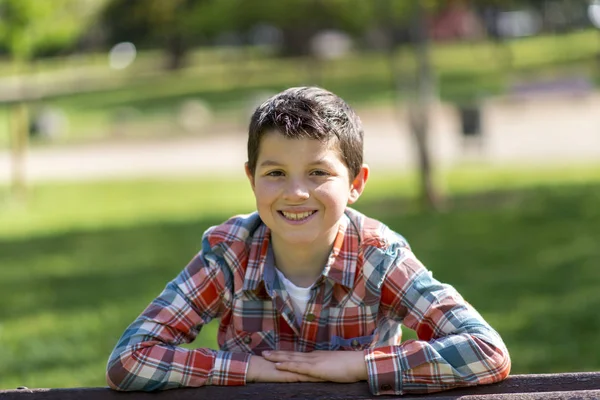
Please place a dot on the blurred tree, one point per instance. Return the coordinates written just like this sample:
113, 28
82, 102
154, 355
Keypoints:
174, 25
299, 20
178, 25
408, 21
28, 27
31, 26
420, 110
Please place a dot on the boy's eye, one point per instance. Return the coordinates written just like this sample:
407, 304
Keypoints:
274, 173
320, 172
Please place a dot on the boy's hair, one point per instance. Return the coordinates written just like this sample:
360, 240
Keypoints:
313, 113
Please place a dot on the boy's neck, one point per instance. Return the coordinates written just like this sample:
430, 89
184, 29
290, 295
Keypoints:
301, 265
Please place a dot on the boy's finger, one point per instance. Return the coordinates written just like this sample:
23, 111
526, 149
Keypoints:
291, 376
286, 356
308, 378
293, 366
281, 352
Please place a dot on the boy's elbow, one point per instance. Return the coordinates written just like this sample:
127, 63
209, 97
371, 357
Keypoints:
115, 376
500, 365
123, 374
119, 377
505, 370
495, 360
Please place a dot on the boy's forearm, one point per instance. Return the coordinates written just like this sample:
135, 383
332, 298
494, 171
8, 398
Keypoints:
162, 367
456, 346
148, 356
426, 367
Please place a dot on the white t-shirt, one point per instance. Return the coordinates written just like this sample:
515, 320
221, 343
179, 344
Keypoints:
298, 295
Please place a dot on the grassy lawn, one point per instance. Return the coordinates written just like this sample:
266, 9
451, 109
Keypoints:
80, 262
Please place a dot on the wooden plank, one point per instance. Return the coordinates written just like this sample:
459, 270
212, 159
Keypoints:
548, 386
188, 394
577, 395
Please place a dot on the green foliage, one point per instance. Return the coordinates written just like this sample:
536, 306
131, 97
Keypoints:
174, 26
81, 261
350, 15
154, 22
191, 22
28, 26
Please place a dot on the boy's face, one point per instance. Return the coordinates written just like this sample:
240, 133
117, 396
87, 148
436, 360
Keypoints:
302, 188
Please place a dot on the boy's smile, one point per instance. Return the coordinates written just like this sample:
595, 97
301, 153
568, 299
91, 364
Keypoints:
297, 216
302, 188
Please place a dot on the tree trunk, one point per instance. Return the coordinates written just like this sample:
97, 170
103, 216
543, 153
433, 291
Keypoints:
19, 130
385, 11
420, 112
176, 50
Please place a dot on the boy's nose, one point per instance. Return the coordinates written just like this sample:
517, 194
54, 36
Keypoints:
296, 190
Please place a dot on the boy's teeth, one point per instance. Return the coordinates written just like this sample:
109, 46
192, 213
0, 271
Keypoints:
297, 216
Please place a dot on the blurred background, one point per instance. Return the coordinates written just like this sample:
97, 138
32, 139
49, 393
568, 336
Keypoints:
123, 133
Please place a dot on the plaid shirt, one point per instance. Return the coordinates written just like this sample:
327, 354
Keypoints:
371, 284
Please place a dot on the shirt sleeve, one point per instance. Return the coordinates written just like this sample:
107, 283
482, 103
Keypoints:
455, 347
147, 357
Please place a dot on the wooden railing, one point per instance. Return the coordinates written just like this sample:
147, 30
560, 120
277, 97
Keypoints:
576, 386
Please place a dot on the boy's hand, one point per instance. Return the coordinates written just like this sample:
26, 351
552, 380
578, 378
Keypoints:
261, 370
334, 366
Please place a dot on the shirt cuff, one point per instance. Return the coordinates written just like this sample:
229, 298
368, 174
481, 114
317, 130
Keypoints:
230, 369
384, 370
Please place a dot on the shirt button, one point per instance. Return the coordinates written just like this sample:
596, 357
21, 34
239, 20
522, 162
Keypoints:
355, 344
386, 387
247, 340
310, 317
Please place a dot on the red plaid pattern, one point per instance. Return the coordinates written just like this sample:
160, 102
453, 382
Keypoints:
372, 284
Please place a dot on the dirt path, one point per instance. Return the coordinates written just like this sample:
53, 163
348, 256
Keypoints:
512, 137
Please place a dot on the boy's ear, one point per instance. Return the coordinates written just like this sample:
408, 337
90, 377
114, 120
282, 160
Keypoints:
358, 184
249, 175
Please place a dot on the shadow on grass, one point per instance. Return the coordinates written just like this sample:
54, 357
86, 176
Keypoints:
527, 260
66, 299
80, 270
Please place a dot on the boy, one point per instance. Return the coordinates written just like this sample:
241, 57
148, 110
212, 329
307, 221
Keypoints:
307, 289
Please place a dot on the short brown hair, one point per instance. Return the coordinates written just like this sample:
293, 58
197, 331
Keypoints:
308, 112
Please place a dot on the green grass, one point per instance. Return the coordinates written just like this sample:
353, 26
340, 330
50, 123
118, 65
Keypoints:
527, 260
80, 261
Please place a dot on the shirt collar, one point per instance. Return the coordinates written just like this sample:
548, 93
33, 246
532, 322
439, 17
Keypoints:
341, 264
257, 255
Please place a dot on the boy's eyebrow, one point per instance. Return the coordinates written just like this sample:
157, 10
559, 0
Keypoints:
271, 163
321, 161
